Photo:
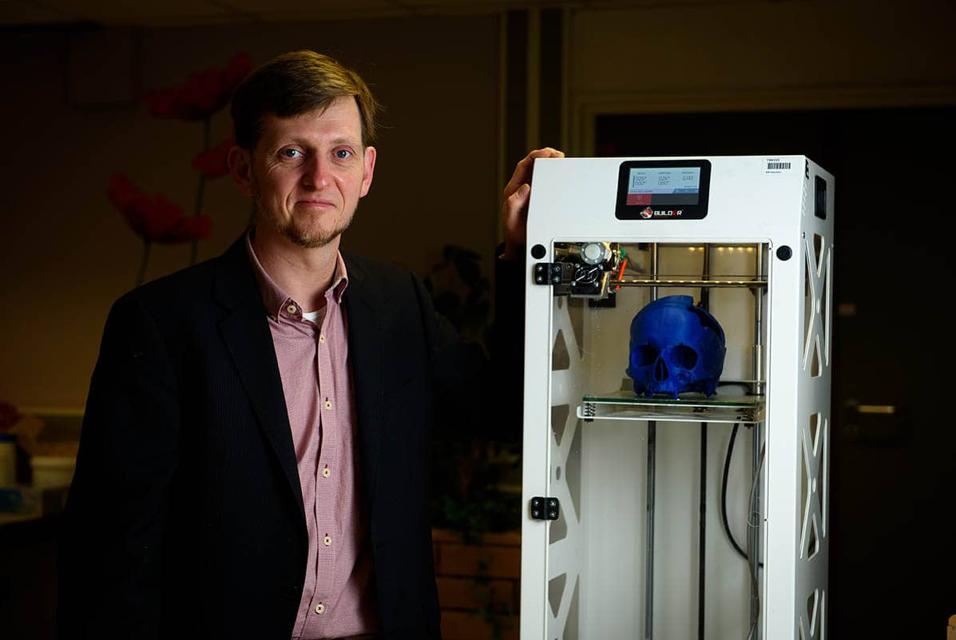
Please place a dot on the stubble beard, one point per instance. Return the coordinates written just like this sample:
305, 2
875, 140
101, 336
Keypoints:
304, 238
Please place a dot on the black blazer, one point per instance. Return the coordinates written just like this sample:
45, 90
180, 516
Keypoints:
185, 517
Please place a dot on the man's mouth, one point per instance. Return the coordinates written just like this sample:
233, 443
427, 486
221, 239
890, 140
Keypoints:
316, 204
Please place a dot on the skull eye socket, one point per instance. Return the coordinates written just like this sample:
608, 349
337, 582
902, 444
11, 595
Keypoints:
645, 355
684, 357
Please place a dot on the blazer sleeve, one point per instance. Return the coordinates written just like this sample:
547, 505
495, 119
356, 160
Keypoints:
111, 542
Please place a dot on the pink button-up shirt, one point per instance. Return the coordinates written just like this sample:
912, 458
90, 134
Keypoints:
312, 350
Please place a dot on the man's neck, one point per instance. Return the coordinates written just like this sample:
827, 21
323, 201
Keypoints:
304, 274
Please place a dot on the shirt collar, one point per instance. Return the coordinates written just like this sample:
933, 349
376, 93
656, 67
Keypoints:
276, 300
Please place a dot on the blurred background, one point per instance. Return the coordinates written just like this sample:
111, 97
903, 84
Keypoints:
106, 171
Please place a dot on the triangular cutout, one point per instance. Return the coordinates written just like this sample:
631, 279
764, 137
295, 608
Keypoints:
555, 592
825, 305
814, 432
560, 359
813, 542
822, 474
812, 606
817, 252
559, 421
572, 473
816, 364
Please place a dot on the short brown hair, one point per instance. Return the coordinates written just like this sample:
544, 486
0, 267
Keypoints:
295, 83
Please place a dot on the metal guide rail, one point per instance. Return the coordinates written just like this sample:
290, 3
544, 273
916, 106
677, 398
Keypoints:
693, 281
689, 407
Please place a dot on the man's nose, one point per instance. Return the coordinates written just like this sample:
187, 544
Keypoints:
316, 172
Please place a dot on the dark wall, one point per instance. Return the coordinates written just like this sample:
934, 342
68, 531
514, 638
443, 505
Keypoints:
893, 481
68, 125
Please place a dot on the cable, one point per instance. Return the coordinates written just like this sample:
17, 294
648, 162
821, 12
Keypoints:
723, 494
724, 520
751, 523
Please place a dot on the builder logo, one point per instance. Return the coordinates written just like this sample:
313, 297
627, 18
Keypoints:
647, 213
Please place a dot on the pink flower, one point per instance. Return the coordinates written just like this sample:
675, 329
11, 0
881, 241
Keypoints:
155, 219
202, 94
212, 163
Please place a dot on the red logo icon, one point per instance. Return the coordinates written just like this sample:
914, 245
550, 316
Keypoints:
647, 213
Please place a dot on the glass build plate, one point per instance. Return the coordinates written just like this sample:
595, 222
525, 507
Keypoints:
689, 407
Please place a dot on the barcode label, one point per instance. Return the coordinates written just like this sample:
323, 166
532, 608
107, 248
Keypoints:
778, 166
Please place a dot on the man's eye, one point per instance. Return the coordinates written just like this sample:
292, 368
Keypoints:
292, 154
343, 154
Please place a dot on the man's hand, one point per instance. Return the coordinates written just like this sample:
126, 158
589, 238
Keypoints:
514, 208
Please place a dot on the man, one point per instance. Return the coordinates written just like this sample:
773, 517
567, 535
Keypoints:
252, 462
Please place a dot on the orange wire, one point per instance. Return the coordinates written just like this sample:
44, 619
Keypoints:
620, 273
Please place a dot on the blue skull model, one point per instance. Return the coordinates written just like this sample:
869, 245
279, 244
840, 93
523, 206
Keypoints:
675, 347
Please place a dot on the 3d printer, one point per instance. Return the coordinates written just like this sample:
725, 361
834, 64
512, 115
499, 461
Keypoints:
702, 511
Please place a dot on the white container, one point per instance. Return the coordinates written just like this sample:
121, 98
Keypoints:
52, 471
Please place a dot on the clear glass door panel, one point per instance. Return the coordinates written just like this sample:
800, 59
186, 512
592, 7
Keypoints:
630, 555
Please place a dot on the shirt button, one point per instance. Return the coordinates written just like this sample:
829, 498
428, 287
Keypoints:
326, 472
320, 608
291, 308
327, 540
322, 338
328, 404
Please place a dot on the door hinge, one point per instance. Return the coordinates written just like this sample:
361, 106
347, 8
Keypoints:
543, 508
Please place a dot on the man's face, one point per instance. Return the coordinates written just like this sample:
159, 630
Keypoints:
308, 172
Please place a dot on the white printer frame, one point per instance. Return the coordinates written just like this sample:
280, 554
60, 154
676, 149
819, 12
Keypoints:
583, 576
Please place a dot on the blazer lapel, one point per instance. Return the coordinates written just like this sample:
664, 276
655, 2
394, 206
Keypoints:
365, 306
245, 331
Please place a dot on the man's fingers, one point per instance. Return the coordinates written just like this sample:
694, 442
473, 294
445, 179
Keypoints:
516, 207
525, 166
521, 175
515, 214
518, 200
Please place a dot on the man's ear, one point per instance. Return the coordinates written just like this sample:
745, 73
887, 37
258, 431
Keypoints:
240, 168
368, 169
